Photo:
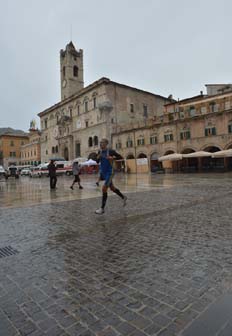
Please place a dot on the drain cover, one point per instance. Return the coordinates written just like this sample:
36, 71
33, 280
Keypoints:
7, 251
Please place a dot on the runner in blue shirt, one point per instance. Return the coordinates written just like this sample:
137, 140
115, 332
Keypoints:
105, 158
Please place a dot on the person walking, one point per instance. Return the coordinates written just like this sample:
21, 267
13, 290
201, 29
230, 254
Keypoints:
52, 174
76, 173
106, 157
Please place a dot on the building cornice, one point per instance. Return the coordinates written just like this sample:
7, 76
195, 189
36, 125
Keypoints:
92, 86
200, 99
15, 135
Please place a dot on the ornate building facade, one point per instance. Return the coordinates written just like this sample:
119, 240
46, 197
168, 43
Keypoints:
74, 126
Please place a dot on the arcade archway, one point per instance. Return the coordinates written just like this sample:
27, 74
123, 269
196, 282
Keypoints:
212, 164
188, 165
155, 164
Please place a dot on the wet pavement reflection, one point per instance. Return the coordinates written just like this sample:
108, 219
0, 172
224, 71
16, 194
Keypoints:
30, 191
160, 266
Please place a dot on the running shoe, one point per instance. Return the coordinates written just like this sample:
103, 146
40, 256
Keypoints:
100, 211
71, 187
80, 187
124, 201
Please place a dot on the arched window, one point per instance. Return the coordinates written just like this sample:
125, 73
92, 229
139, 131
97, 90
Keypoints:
95, 140
75, 71
90, 142
56, 149
63, 71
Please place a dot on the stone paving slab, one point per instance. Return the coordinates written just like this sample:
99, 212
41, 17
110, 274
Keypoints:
213, 320
153, 268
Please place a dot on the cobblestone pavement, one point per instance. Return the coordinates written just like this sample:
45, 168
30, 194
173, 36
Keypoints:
160, 266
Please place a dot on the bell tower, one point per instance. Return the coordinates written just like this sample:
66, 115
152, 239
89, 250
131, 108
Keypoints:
71, 71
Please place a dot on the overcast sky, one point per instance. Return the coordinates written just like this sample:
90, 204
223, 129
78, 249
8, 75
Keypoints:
162, 46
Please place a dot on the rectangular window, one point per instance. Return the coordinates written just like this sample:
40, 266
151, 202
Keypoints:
181, 115
230, 128
192, 111
210, 131
203, 110
78, 149
185, 135
129, 143
170, 117
118, 145
212, 107
132, 108
227, 105
45, 123
86, 106
12, 143
94, 102
86, 124
145, 111
140, 142
78, 109
168, 137
153, 140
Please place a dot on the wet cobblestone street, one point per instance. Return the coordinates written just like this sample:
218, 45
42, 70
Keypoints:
159, 266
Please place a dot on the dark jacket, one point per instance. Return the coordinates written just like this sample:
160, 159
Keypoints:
51, 170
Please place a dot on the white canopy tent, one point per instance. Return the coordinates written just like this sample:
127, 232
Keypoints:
171, 157
222, 153
197, 154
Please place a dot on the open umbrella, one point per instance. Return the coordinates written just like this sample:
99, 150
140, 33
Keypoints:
90, 162
80, 159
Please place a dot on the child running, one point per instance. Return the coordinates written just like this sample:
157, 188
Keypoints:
106, 157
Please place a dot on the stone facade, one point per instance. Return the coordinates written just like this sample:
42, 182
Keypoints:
199, 123
71, 71
74, 126
30, 152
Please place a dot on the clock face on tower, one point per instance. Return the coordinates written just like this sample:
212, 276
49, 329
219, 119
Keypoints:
64, 83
